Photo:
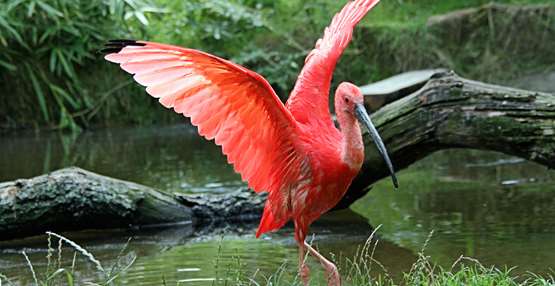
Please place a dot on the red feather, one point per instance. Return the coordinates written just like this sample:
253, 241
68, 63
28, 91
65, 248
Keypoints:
294, 153
307, 103
230, 104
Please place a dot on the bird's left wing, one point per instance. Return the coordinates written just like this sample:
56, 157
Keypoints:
228, 103
309, 99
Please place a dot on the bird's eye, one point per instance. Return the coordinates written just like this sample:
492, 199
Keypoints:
347, 100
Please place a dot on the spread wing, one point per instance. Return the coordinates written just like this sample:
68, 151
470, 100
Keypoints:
310, 97
228, 103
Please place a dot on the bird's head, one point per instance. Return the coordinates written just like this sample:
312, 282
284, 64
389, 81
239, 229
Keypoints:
349, 106
347, 97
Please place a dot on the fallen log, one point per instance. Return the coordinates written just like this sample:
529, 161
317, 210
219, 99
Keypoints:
447, 112
380, 93
76, 199
73, 199
453, 112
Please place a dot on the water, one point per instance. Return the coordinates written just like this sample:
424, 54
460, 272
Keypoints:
170, 158
496, 208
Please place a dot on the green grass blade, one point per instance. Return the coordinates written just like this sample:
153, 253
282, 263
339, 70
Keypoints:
31, 9
8, 66
65, 64
59, 91
13, 32
40, 95
53, 61
49, 9
13, 4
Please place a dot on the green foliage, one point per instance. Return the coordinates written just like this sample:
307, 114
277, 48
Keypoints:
51, 74
416, 12
46, 47
56, 273
239, 30
273, 37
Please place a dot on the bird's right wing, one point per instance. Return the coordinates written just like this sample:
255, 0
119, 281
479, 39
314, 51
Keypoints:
309, 99
228, 103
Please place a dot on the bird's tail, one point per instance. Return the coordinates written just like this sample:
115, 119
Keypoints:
269, 222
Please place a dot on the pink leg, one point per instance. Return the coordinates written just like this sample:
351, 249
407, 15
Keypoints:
331, 269
304, 272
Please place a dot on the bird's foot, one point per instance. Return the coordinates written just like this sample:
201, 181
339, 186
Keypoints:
331, 270
333, 275
304, 273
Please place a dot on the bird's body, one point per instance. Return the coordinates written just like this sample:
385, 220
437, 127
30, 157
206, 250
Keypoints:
294, 151
332, 159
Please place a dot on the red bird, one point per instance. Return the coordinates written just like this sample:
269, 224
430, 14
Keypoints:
294, 151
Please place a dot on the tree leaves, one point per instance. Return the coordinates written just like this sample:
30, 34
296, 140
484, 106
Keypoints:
44, 45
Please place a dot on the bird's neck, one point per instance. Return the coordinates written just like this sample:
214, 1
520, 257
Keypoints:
352, 146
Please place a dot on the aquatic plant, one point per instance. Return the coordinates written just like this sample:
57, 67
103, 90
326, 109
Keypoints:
362, 269
57, 274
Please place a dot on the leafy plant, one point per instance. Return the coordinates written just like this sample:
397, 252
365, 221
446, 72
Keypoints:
47, 46
58, 274
256, 34
51, 75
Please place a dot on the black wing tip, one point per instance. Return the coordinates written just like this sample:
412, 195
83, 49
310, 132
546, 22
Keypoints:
116, 45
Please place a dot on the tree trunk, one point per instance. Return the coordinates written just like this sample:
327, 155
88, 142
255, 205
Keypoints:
453, 112
73, 199
447, 112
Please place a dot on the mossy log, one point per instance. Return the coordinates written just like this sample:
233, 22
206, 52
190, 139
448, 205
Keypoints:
73, 199
453, 112
447, 112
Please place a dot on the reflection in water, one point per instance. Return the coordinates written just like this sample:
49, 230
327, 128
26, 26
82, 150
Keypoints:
462, 195
486, 205
178, 254
170, 158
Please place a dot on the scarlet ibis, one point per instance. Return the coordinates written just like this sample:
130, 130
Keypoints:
293, 151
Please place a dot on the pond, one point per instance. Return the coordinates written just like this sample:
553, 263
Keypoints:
498, 209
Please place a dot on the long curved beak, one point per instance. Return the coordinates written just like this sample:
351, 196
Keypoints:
363, 117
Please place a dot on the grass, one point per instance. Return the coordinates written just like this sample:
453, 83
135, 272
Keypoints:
362, 269
57, 274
